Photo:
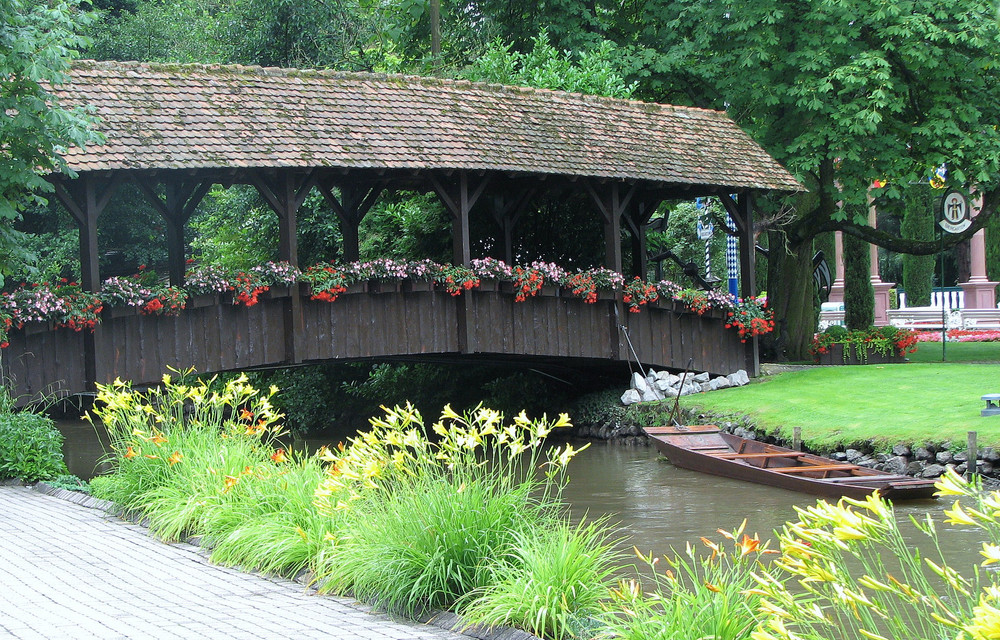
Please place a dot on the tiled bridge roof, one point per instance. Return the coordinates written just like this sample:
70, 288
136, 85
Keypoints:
215, 117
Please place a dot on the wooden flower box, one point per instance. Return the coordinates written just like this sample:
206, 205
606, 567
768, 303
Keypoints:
835, 356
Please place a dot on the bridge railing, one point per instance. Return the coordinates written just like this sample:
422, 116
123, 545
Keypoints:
408, 319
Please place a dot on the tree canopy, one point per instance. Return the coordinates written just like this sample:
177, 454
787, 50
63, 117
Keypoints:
37, 42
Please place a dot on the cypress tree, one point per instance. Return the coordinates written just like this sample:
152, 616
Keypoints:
918, 224
859, 295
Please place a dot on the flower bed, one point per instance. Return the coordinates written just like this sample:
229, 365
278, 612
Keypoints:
66, 305
875, 345
961, 335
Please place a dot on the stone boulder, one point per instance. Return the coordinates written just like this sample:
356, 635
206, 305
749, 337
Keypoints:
631, 397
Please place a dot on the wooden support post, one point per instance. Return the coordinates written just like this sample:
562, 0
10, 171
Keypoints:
353, 205
285, 199
181, 198
507, 212
797, 438
612, 204
85, 201
971, 455
459, 199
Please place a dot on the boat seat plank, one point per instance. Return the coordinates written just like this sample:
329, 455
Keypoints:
693, 430
732, 456
815, 467
873, 478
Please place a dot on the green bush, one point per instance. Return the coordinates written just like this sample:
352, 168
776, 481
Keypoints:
30, 447
836, 332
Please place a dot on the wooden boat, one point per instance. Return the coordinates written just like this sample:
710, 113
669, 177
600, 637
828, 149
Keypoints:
707, 449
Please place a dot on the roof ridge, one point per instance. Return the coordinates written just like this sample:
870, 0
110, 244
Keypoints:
294, 72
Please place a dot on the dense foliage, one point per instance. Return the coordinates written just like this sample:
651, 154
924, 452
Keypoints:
30, 444
37, 43
918, 224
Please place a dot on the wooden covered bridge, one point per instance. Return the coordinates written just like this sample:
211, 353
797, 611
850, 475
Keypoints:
174, 131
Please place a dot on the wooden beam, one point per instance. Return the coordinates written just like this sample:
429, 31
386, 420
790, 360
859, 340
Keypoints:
355, 201
178, 204
459, 200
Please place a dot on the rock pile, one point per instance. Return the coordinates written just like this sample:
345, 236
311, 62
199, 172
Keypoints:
659, 385
928, 461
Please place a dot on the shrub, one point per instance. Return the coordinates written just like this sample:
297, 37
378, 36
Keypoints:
30, 447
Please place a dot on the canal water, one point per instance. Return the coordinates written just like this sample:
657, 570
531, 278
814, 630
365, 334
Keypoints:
655, 506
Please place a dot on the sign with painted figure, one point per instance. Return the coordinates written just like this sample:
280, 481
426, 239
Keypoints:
955, 214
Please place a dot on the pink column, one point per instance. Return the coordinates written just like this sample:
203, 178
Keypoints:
837, 288
881, 288
980, 293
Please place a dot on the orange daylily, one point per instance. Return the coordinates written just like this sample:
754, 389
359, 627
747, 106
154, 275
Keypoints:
175, 457
228, 482
748, 545
130, 453
246, 415
279, 456
159, 439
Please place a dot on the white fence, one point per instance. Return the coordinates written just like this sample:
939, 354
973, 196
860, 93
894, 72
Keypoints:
952, 297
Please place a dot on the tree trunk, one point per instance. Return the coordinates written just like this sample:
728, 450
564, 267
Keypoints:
791, 296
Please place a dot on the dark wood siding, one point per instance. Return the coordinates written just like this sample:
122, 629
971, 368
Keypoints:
369, 324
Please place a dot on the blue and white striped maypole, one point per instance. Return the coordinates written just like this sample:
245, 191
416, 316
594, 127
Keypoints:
732, 260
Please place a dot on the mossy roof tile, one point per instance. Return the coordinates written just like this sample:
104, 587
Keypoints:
197, 116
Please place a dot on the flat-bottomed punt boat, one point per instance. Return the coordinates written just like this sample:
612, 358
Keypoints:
707, 449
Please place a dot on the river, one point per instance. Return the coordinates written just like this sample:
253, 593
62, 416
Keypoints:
654, 505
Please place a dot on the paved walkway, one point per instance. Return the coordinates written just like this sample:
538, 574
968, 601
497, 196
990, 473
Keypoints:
70, 572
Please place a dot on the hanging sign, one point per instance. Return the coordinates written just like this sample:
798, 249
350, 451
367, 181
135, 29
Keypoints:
955, 215
705, 229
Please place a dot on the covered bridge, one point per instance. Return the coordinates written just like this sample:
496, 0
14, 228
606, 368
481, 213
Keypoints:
176, 130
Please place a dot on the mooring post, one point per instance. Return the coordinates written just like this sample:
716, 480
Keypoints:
972, 455
797, 438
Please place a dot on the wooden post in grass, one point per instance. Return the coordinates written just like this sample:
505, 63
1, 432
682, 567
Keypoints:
797, 438
972, 455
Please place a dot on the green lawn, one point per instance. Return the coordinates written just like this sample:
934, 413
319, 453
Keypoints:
913, 402
958, 352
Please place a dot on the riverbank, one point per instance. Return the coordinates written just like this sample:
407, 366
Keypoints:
910, 418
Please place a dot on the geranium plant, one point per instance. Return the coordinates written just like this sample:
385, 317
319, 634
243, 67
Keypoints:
491, 268
327, 281
587, 283
695, 299
885, 341
457, 279
638, 292
750, 317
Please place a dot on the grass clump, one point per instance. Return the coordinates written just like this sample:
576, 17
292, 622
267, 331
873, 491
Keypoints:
692, 595
551, 582
861, 580
406, 518
424, 518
